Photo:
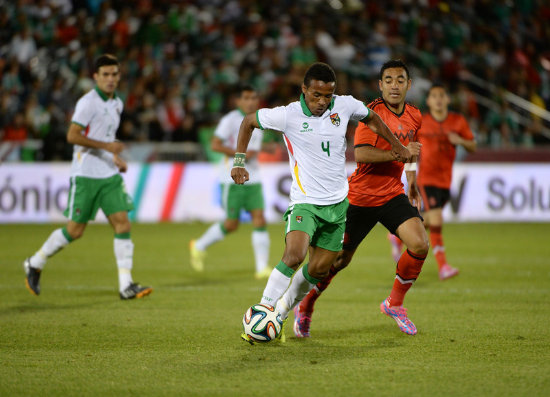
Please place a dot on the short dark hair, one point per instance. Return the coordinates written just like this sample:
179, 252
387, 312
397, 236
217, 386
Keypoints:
105, 60
240, 88
319, 71
436, 85
394, 63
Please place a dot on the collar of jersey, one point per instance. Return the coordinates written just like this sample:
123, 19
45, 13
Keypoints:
241, 111
306, 110
103, 96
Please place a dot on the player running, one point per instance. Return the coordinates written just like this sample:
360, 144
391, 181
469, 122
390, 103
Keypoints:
314, 129
376, 194
235, 197
439, 135
95, 181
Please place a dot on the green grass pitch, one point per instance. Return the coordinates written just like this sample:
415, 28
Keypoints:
484, 333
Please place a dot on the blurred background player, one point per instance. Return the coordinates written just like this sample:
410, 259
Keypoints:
95, 180
314, 129
376, 194
237, 197
439, 135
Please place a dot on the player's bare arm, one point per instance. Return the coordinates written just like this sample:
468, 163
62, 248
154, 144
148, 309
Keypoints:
414, 196
120, 163
377, 125
238, 172
75, 137
469, 145
217, 145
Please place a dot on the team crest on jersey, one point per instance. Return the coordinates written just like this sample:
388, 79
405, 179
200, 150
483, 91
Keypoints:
299, 219
335, 119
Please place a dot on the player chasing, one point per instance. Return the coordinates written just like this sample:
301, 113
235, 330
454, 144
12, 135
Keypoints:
95, 181
376, 194
314, 130
237, 197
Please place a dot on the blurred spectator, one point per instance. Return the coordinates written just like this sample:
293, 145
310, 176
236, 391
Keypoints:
180, 57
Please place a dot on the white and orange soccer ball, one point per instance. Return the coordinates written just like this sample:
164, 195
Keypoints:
262, 323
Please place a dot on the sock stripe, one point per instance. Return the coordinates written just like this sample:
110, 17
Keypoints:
66, 234
308, 277
283, 268
223, 229
405, 280
260, 229
416, 256
123, 236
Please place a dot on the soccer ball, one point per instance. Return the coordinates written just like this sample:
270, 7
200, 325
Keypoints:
262, 323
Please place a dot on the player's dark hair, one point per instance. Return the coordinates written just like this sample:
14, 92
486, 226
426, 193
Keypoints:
394, 63
436, 85
105, 60
319, 71
239, 89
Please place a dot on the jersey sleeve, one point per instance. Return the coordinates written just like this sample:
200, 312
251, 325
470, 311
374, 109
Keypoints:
464, 130
358, 109
272, 119
223, 129
83, 113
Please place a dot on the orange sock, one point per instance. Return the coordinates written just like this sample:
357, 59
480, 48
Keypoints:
408, 269
436, 239
309, 301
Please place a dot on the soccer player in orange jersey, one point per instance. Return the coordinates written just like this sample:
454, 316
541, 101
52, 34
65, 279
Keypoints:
376, 194
439, 135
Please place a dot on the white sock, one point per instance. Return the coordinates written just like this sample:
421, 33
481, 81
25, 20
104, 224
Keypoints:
53, 244
276, 284
211, 236
260, 244
298, 289
124, 254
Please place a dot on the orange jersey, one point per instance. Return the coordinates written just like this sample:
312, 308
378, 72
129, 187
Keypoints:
374, 184
435, 166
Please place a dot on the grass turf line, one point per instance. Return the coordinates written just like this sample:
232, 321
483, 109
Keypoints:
482, 333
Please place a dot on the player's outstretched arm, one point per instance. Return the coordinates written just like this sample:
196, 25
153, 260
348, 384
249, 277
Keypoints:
75, 137
238, 172
377, 125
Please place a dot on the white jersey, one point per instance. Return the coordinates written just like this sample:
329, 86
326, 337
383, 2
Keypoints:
99, 115
316, 147
228, 131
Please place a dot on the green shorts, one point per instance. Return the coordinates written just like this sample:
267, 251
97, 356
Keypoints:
87, 195
235, 197
325, 224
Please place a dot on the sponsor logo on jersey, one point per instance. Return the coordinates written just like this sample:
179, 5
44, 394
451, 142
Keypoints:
335, 119
305, 127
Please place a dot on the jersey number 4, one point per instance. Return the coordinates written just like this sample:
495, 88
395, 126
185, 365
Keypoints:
327, 148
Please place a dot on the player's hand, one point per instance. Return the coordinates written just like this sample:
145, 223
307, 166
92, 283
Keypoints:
414, 148
239, 175
454, 138
115, 147
120, 163
414, 197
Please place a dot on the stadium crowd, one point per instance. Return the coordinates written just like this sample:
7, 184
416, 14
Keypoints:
180, 59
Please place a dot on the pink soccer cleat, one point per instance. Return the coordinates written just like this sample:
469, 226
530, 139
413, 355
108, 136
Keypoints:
400, 317
447, 271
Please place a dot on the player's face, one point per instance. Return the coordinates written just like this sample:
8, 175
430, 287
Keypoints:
318, 96
438, 100
394, 86
107, 78
248, 101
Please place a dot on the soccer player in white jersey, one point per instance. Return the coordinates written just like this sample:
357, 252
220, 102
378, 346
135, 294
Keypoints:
236, 197
95, 180
314, 130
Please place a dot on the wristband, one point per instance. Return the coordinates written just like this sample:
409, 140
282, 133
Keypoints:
410, 167
238, 160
